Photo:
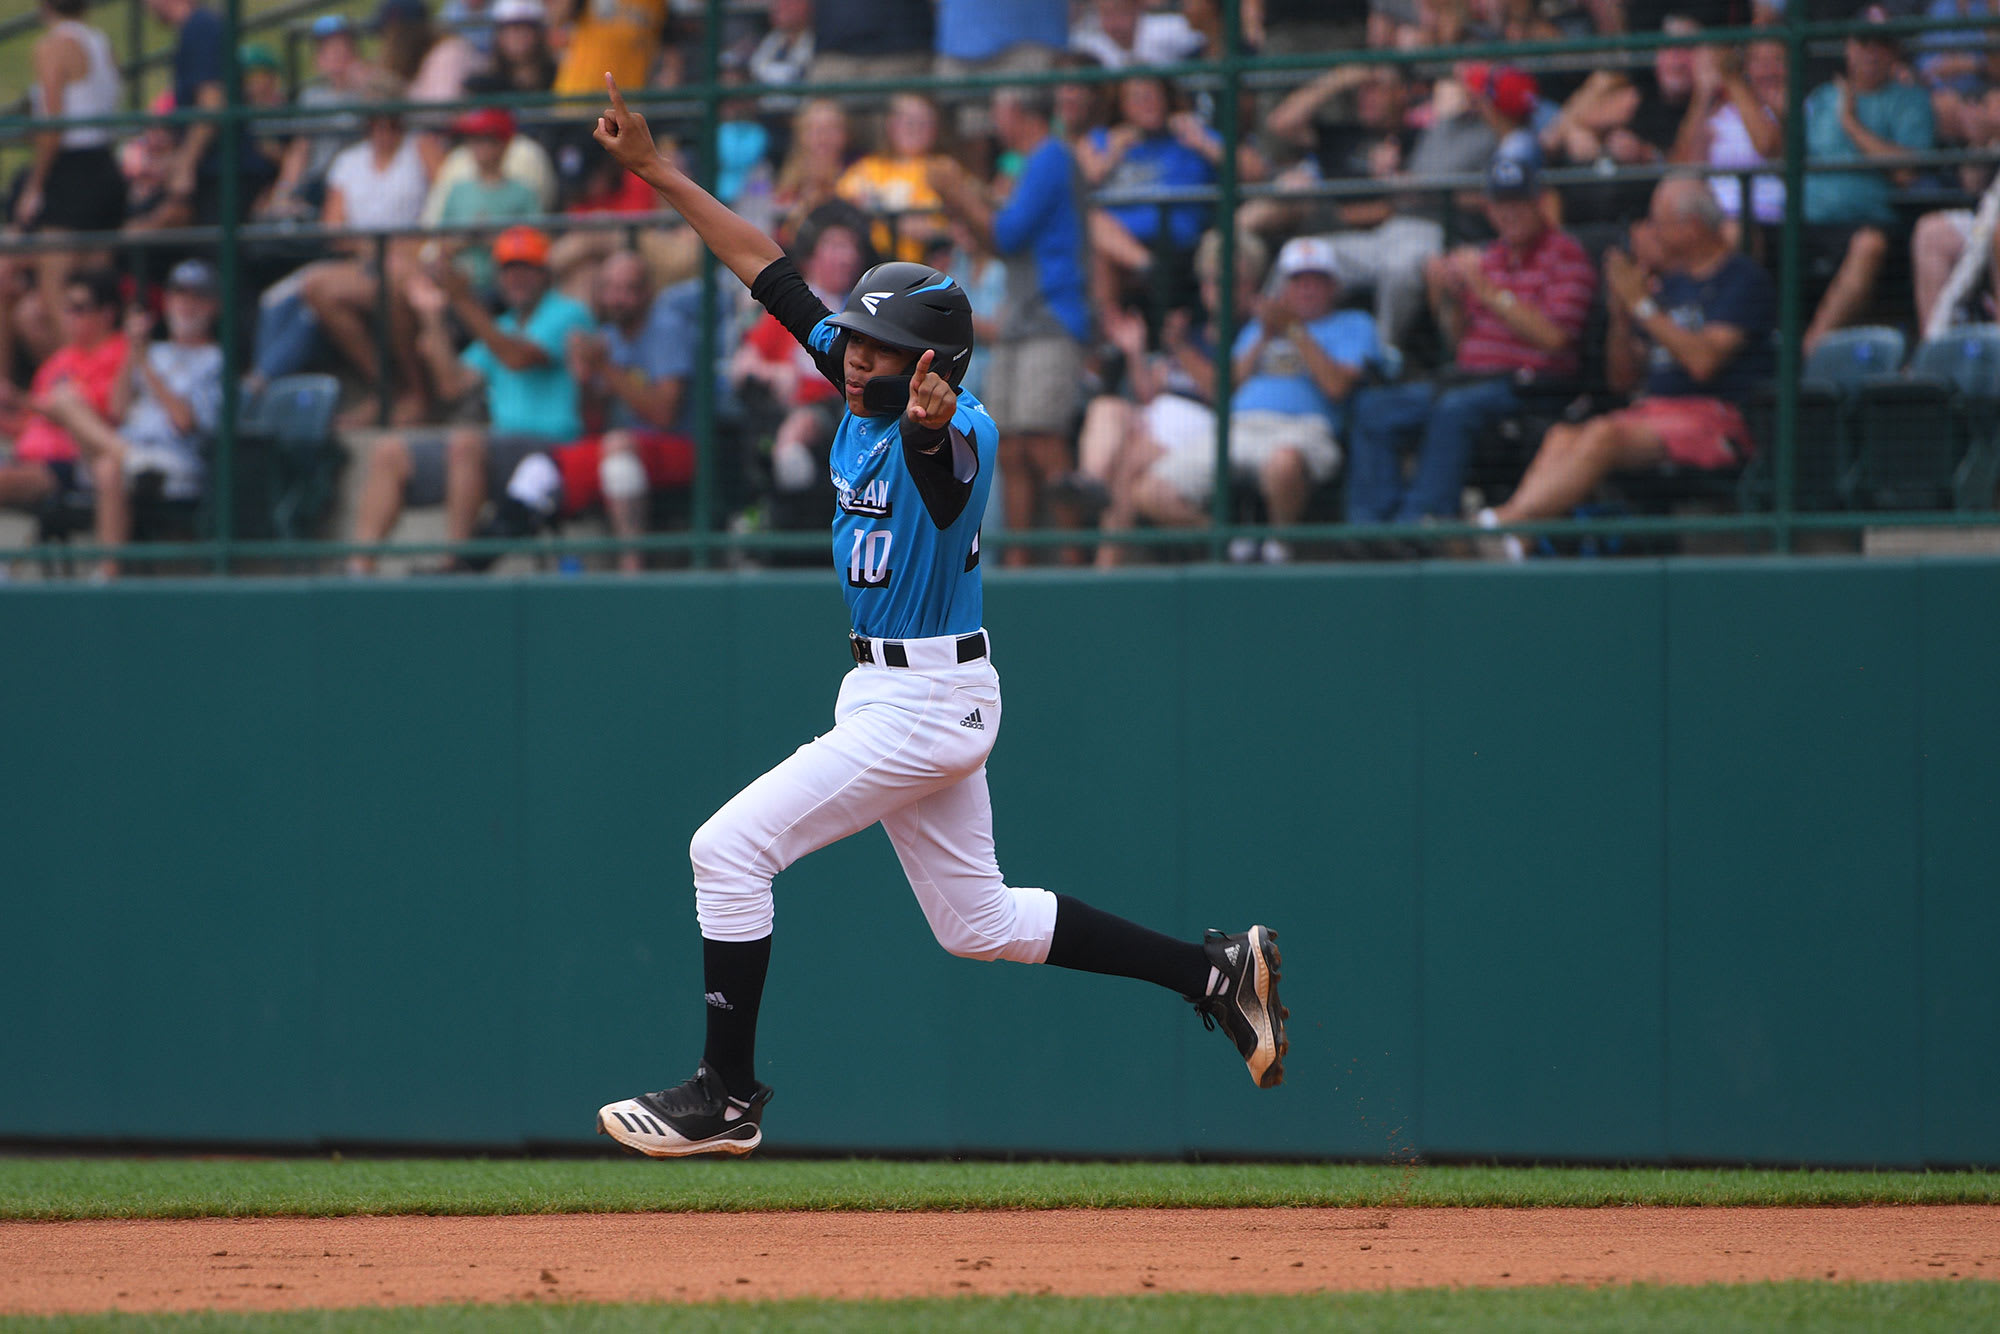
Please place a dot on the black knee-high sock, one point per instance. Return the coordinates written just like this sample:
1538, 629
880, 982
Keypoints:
733, 976
1094, 941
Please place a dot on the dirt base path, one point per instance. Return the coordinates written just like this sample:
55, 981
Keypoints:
276, 1263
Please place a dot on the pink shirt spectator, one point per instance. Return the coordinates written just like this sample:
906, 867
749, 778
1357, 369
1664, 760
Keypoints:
1555, 277
93, 371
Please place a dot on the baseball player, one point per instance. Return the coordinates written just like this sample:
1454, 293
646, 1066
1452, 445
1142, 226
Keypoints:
912, 461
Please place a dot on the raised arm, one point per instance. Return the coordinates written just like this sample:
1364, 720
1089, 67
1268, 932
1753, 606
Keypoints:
744, 249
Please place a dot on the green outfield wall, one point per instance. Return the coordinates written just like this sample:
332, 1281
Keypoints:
1633, 860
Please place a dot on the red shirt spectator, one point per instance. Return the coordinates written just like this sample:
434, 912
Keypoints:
775, 345
90, 362
1548, 272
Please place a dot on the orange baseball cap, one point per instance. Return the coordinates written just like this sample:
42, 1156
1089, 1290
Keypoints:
521, 245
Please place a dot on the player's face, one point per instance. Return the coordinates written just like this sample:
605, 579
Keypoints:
867, 359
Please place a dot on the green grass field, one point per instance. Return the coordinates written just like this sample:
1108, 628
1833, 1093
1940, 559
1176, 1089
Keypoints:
1917, 1308
65, 1188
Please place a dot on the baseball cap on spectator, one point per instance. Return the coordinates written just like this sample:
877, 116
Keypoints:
517, 11
521, 245
1511, 178
258, 55
485, 122
1877, 15
399, 11
332, 25
192, 275
1513, 92
1308, 254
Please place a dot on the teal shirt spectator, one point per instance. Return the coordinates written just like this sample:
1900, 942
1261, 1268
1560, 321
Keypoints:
541, 401
499, 202
1897, 112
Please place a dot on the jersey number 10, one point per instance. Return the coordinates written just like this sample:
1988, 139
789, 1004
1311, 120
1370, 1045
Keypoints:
868, 563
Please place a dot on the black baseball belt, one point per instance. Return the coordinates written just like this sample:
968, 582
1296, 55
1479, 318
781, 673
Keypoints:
971, 648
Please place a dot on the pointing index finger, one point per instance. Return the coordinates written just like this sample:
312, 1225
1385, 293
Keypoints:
923, 366
617, 98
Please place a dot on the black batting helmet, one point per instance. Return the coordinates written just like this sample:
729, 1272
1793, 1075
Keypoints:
916, 307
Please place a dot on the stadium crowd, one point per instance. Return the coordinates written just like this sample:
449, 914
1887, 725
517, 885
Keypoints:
1406, 287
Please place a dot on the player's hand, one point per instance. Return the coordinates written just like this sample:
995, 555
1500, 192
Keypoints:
932, 400
624, 132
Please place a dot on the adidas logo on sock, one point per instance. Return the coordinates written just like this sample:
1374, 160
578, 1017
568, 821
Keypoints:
974, 721
718, 1000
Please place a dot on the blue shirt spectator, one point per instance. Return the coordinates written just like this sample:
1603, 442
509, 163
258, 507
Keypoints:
541, 400
1041, 220
1158, 161
1280, 381
663, 349
981, 29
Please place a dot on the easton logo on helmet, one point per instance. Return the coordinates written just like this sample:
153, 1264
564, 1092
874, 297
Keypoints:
872, 300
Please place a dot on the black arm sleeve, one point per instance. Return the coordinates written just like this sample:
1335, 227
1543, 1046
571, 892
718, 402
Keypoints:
782, 290
943, 464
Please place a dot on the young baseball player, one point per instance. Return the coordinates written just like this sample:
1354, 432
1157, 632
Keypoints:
912, 461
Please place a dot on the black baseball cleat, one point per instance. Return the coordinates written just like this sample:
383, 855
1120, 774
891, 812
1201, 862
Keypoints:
1244, 1000
698, 1116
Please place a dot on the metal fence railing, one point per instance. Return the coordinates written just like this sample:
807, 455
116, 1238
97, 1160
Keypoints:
1770, 515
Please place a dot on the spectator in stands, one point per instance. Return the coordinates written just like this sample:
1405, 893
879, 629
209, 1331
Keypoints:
1170, 394
1295, 366
1618, 119
896, 180
432, 66
522, 359
195, 179
379, 182
86, 366
163, 406
872, 39
633, 375
1507, 97
811, 172
785, 53
621, 38
984, 37
1118, 33
1390, 256
1736, 118
1153, 146
1516, 311
523, 161
776, 380
1695, 339
264, 88
343, 78
1034, 384
1349, 123
73, 183
1866, 114
488, 196
521, 61
1080, 108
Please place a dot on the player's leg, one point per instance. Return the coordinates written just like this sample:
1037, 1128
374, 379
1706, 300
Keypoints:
944, 840
876, 759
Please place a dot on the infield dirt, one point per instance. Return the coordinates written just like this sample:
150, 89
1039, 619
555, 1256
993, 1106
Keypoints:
287, 1263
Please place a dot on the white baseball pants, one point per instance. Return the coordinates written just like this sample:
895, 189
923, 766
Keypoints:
908, 749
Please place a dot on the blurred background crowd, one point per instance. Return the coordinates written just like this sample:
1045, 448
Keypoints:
1485, 292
